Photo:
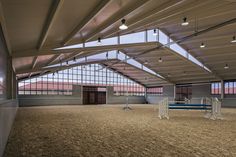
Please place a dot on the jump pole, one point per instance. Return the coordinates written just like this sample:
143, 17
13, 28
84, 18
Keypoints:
208, 104
126, 107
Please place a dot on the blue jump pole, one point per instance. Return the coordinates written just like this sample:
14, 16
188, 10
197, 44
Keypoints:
190, 107
201, 105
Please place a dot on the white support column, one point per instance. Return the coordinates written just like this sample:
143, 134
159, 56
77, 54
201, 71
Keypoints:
82, 81
106, 87
118, 39
83, 44
168, 40
9, 78
174, 92
146, 36
222, 89
145, 94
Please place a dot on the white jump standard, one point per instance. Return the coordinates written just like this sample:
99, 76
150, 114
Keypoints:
211, 106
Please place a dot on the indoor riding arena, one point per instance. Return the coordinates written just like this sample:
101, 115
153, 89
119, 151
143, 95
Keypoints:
118, 78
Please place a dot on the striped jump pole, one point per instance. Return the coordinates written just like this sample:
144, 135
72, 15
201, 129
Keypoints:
211, 105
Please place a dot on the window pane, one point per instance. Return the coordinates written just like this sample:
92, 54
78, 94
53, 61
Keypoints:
132, 38
62, 82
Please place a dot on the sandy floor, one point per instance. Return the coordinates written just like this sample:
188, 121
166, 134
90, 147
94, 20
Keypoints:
109, 131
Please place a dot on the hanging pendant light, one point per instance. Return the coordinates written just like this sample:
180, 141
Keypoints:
202, 45
234, 40
99, 41
123, 26
226, 66
155, 32
185, 22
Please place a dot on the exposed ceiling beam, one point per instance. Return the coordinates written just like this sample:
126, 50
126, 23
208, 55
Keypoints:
173, 71
183, 78
119, 72
164, 7
217, 26
185, 74
221, 58
117, 17
156, 56
102, 4
53, 59
230, 45
222, 69
69, 57
189, 75
23, 71
156, 85
191, 30
4, 30
34, 52
40, 72
50, 62
190, 5
192, 9
149, 68
54, 10
34, 62
221, 61
218, 55
206, 38
210, 13
230, 73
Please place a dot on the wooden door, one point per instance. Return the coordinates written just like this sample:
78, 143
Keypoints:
94, 95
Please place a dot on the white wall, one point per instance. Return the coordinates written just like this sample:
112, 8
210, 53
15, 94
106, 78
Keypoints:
168, 91
198, 91
113, 99
75, 99
8, 106
8, 109
45, 100
205, 91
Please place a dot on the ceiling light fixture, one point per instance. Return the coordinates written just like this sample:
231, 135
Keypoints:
226, 66
202, 45
123, 26
155, 32
185, 22
234, 40
99, 41
160, 60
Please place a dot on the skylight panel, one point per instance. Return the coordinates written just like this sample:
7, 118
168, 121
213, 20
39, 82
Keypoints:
178, 49
132, 38
70, 47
